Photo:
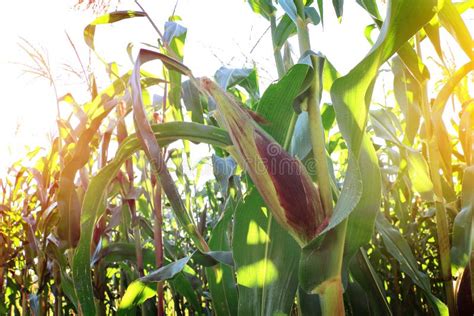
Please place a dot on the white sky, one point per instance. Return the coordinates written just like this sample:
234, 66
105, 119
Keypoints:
219, 32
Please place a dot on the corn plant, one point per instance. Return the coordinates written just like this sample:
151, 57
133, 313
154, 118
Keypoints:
323, 200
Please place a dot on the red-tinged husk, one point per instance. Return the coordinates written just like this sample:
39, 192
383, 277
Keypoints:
298, 195
464, 295
281, 179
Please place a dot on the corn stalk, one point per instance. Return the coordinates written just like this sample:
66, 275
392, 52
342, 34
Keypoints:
330, 291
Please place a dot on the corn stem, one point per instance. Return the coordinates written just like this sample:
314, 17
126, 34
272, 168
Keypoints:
331, 290
276, 51
314, 113
158, 238
442, 227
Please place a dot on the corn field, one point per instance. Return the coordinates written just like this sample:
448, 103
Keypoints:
330, 193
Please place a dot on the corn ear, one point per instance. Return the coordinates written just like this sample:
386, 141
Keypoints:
281, 179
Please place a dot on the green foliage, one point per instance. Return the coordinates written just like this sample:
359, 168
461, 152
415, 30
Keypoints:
117, 216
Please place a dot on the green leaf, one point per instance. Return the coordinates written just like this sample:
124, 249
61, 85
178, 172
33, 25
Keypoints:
368, 33
463, 226
454, 24
284, 30
166, 272
262, 7
140, 290
357, 300
442, 136
419, 174
432, 31
221, 277
173, 64
360, 196
385, 125
301, 141
464, 5
192, 101
120, 251
330, 75
300, 145
400, 250
224, 169
136, 294
361, 220
328, 116
230, 77
448, 88
321, 11
266, 258
182, 284
352, 93
371, 7
364, 273
89, 31
290, 9
406, 51
276, 104
312, 15
308, 304
117, 88
66, 283
338, 7
175, 36
407, 91
174, 31
211, 258
414, 63
96, 194
69, 204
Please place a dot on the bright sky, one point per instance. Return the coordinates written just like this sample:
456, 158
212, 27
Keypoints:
219, 33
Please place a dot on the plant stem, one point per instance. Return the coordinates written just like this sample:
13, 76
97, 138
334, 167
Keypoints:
135, 219
302, 28
158, 236
163, 43
158, 228
318, 138
331, 303
331, 290
57, 298
276, 50
442, 227
314, 113
153, 152
138, 244
289, 134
